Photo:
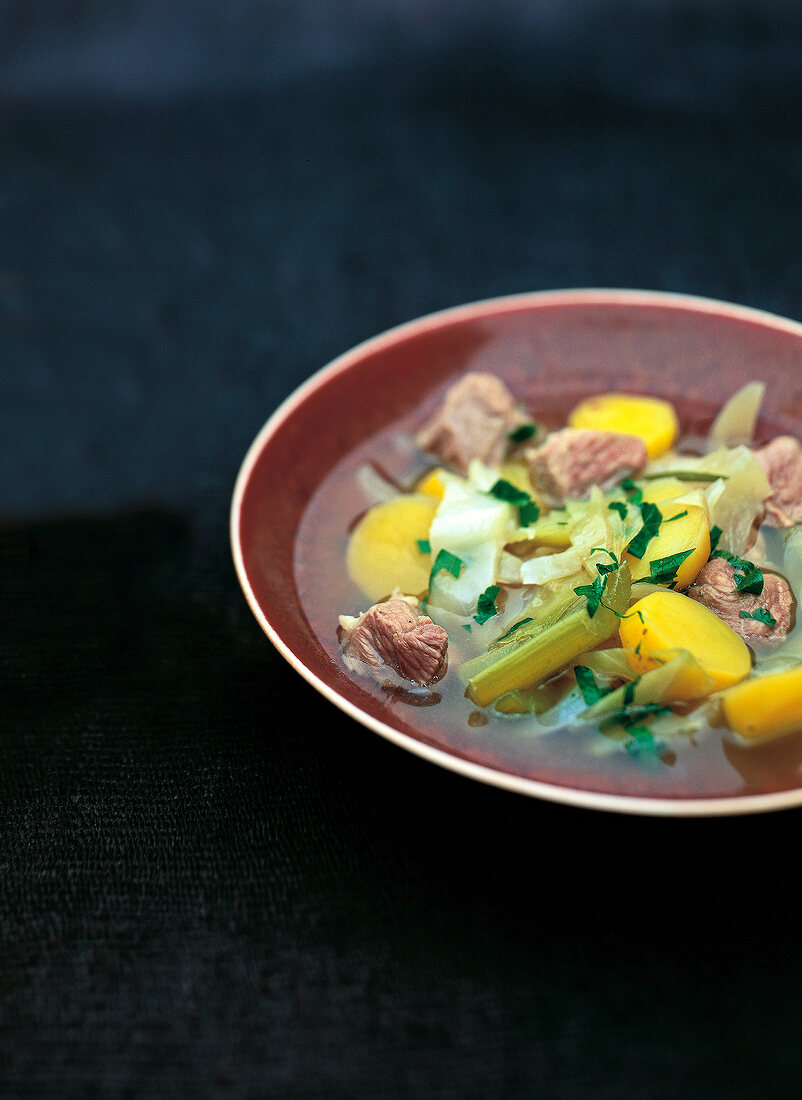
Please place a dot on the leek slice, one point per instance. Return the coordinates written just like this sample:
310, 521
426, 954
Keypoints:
543, 654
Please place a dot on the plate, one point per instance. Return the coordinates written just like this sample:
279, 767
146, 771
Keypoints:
298, 490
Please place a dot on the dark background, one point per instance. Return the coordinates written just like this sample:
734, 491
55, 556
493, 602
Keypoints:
211, 882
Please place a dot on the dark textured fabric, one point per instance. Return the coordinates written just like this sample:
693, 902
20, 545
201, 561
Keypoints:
212, 884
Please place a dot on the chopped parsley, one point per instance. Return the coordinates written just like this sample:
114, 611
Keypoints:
424, 546
641, 742
486, 604
604, 550
629, 691
505, 490
609, 568
628, 717
618, 506
631, 489
715, 535
446, 562
522, 433
664, 570
506, 634
586, 681
593, 593
762, 614
528, 510
528, 513
679, 515
748, 577
749, 580
652, 518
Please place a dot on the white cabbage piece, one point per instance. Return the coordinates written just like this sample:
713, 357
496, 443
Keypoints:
735, 423
551, 567
593, 527
475, 527
736, 499
597, 526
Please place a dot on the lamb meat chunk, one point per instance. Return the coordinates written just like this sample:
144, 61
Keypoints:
574, 459
782, 461
474, 421
715, 588
392, 637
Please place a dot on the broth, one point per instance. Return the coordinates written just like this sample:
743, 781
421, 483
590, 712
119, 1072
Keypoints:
706, 764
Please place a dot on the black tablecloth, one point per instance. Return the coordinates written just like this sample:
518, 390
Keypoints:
213, 883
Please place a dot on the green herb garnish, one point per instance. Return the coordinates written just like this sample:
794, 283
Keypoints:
593, 593
627, 718
715, 535
664, 570
652, 518
528, 513
522, 433
528, 510
679, 515
748, 577
424, 546
446, 562
641, 742
762, 614
586, 681
486, 604
505, 490
631, 489
506, 634
629, 691
618, 506
610, 568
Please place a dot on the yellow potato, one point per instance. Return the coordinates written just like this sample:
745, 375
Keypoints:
675, 536
648, 417
431, 484
664, 488
517, 473
669, 621
383, 552
765, 706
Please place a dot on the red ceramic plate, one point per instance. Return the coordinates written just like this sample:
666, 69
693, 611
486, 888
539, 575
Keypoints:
297, 494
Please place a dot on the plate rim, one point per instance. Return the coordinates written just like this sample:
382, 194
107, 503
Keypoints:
728, 805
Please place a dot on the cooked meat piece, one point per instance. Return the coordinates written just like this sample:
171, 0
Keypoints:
392, 636
782, 461
574, 459
715, 588
474, 421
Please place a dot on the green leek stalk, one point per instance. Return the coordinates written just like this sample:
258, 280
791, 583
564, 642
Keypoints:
537, 658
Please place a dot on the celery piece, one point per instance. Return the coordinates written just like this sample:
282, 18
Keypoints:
536, 659
540, 617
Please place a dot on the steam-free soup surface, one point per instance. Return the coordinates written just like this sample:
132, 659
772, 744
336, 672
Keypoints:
707, 764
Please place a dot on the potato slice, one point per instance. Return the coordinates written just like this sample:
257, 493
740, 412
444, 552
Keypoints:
670, 621
648, 417
688, 531
765, 706
664, 488
431, 484
383, 552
